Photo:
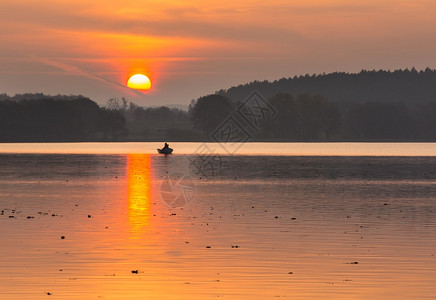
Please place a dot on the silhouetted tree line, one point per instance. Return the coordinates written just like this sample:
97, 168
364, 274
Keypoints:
370, 105
297, 118
134, 112
406, 86
171, 124
35, 117
390, 121
302, 117
313, 117
156, 123
159, 114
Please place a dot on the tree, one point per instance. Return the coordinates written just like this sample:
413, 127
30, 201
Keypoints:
306, 117
318, 117
209, 112
113, 104
376, 120
114, 123
285, 124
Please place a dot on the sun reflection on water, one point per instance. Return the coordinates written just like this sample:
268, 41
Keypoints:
138, 192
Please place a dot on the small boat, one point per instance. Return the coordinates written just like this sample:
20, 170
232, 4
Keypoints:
165, 151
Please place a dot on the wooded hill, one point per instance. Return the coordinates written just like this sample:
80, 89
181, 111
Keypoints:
405, 86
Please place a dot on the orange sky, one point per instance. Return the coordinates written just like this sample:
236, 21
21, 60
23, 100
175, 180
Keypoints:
191, 48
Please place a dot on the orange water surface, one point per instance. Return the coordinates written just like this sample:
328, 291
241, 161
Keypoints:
262, 227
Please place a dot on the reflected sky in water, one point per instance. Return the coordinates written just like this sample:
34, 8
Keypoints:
263, 227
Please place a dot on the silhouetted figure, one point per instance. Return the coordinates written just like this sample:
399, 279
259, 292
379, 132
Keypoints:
165, 150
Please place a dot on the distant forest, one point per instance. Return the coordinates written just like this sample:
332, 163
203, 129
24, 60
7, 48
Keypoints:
37, 118
367, 106
404, 86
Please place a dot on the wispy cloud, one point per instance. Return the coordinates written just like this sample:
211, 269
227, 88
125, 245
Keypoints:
74, 70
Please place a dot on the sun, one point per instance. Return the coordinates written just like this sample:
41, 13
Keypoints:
139, 82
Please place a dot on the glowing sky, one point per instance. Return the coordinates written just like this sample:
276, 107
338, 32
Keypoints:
191, 48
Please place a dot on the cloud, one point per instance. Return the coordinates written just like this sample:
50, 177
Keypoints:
178, 22
76, 71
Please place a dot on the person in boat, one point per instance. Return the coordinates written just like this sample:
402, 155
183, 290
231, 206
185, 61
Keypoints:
166, 146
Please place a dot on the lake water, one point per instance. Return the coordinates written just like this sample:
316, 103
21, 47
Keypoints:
268, 149
293, 221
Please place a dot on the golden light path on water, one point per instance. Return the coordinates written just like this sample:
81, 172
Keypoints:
138, 192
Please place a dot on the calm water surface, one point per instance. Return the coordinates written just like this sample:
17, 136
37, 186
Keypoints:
295, 149
255, 226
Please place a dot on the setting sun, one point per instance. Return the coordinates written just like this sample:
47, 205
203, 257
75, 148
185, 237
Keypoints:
139, 82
